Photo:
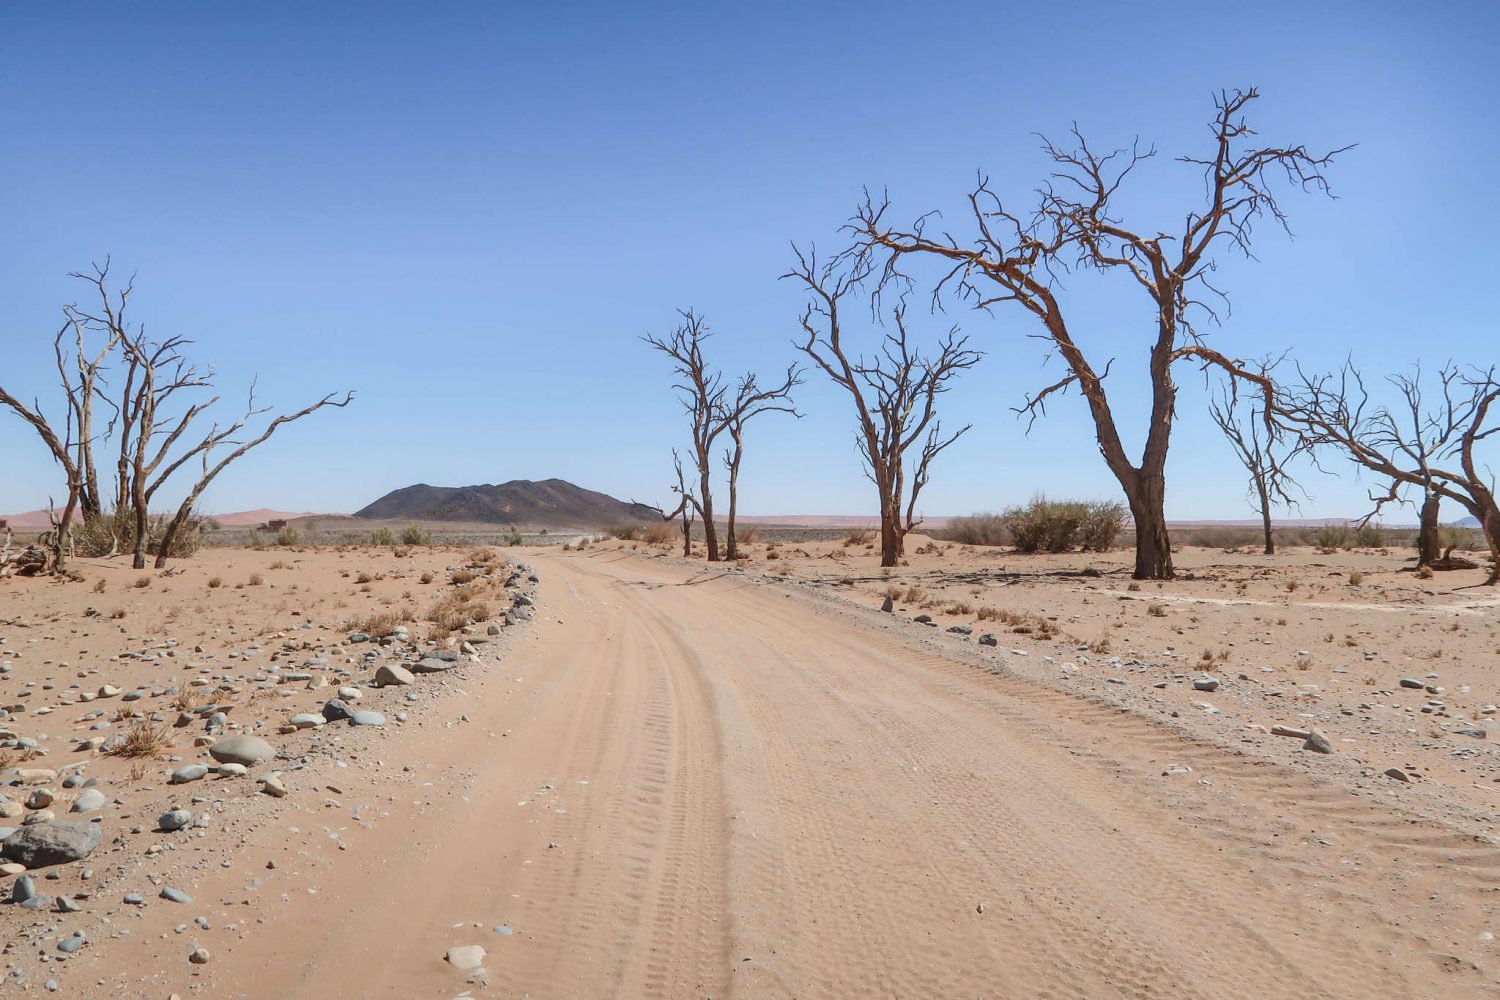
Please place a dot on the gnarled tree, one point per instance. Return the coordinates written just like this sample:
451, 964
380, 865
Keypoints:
750, 401
1013, 257
1254, 437
702, 393
1426, 446
894, 389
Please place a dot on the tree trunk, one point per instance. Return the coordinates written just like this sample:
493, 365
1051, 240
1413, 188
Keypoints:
1153, 549
706, 509
1489, 523
687, 536
60, 544
731, 544
142, 525
890, 531
1429, 547
1265, 515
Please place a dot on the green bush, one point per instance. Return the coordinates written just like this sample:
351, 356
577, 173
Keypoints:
1369, 537
413, 535
288, 536
1332, 536
1453, 536
624, 532
513, 537
382, 536
1062, 525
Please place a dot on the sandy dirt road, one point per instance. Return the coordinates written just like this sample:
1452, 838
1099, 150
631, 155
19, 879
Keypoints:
695, 784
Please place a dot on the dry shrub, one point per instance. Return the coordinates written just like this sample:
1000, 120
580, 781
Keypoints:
98, 586
187, 699
1424, 573
281, 564
144, 739
858, 536
383, 536
462, 576
460, 607
363, 577
425, 578
976, 529
746, 534
1356, 578
914, 594
987, 614
773, 554
215, 582
960, 608
659, 534
141, 582
1156, 610
256, 579
1062, 525
1099, 646
96, 536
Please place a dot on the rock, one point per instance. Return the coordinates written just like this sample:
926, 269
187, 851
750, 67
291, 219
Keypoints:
923, 619
40, 816
1296, 734
888, 604
1205, 684
358, 637
391, 675
960, 629
189, 772
1413, 683
174, 819
336, 709
492, 630
22, 889
243, 749
175, 895
1478, 734
273, 787
1397, 773
199, 956
108, 691
135, 899
988, 640
1317, 742
466, 958
89, 800
306, 720
47, 844
233, 770
431, 665
40, 798
71, 943
367, 719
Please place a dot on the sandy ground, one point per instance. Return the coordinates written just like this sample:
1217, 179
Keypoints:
683, 780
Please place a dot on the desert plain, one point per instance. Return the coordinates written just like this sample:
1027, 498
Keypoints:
607, 770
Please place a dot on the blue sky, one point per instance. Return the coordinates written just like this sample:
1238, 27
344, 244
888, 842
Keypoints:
469, 214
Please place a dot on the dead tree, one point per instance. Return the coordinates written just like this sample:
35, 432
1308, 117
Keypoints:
750, 401
703, 394
81, 349
1255, 439
687, 504
227, 437
894, 390
1429, 447
1015, 258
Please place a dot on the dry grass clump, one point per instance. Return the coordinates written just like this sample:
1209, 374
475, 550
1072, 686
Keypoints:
256, 579
1100, 646
746, 534
914, 595
215, 582
460, 607
960, 608
187, 699
1356, 578
462, 576
98, 586
144, 739
858, 536
381, 623
1156, 610
141, 582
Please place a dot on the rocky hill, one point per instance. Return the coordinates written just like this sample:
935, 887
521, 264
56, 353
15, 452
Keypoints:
551, 503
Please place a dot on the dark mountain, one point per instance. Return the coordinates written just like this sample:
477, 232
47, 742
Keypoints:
551, 503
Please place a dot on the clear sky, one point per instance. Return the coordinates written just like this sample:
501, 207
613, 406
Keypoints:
469, 213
